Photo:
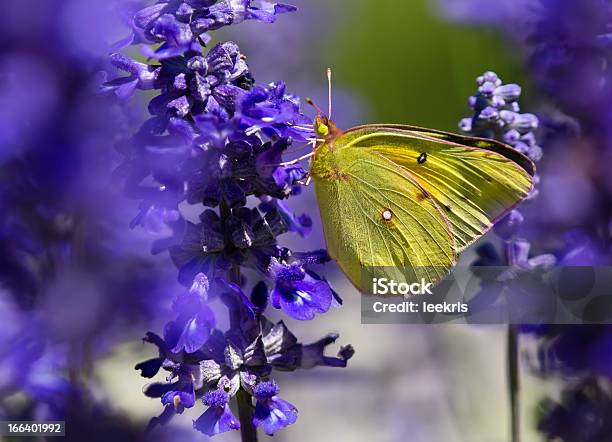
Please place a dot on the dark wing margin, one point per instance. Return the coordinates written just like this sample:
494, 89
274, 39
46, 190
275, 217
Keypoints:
463, 140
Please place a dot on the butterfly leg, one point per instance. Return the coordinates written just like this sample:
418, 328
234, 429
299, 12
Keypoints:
307, 182
297, 160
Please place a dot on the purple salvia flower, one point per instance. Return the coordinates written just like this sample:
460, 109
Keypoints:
217, 139
179, 393
218, 418
182, 395
299, 293
142, 76
275, 112
183, 26
496, 114
271, 412
195, 319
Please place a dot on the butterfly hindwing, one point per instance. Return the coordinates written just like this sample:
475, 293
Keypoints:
375, 214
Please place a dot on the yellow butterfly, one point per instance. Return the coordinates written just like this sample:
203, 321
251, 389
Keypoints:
403, 196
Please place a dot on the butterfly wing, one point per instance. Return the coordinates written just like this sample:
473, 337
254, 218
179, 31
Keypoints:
475, 181
375, 214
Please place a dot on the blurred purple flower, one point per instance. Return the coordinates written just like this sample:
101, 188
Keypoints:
195, 319
567, 44
574, 351
76, 278
496, 115
582, 414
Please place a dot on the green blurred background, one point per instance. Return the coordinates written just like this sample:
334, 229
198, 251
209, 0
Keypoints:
401, 58
412, 66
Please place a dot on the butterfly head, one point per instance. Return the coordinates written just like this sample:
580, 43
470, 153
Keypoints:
321, 126
325, 128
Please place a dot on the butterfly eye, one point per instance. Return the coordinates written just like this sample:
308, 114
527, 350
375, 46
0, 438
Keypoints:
422, 158
322, 129
387, 215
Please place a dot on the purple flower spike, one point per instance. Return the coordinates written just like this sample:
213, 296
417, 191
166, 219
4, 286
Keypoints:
299, 293
218, 418
181, 26
217, 139
271, 412
496, 115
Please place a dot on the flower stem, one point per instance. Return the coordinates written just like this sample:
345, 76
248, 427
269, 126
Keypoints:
513, 368
248, 432
514, 383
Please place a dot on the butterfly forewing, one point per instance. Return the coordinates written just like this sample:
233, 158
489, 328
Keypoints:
474, 181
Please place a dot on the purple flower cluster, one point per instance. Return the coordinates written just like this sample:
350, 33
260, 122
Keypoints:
496, 114
242, 358
74, 282
582, 414
215, 143
574, 352
567, 48
183, 26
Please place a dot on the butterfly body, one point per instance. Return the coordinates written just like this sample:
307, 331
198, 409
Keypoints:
404, 199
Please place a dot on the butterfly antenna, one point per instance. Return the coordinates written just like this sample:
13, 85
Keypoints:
329, 93
317, 108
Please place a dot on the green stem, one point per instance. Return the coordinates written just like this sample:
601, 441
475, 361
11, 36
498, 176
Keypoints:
513, 367
248, 432
514, 383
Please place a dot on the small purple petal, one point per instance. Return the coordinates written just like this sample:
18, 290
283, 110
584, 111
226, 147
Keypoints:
216, 398
274, 414
195, 331
200, 286
266, 390
301, 300
216, 420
